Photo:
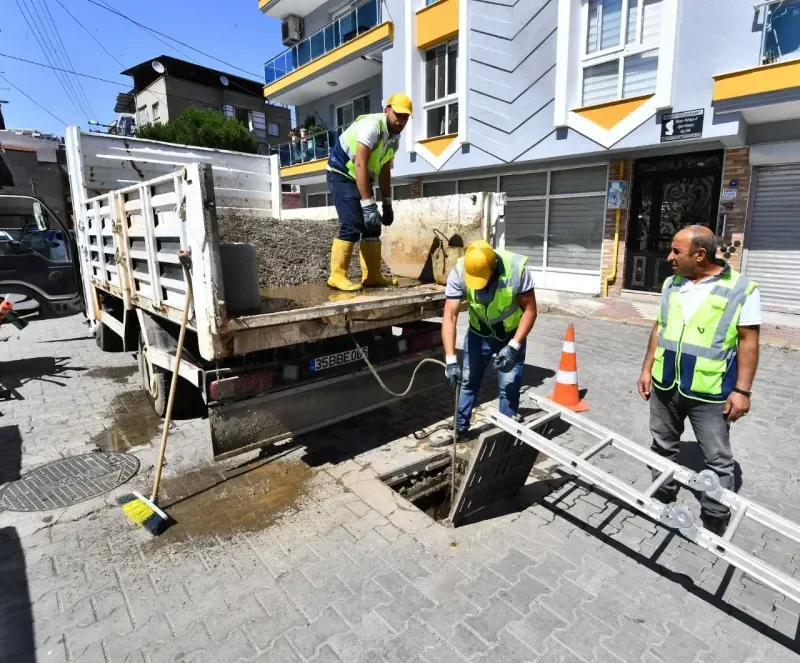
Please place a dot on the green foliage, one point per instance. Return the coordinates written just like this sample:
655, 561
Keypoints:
203, 128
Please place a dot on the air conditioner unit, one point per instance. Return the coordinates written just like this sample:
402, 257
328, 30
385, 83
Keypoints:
291, 30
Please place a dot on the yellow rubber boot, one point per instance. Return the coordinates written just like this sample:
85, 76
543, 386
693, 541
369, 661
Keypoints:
371, 275
341, 253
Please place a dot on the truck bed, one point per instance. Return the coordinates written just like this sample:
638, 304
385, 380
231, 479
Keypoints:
310, 312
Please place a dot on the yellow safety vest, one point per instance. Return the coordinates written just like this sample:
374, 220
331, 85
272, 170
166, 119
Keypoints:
699, 357
343, 155
501, 316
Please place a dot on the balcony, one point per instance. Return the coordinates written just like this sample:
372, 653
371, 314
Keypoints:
339, 55
770, 90
280, 9
305, 159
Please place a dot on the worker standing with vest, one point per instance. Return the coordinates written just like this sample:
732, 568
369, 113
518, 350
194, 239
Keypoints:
502, 310
364, 153
701, 361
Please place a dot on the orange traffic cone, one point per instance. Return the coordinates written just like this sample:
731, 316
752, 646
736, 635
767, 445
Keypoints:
566, 389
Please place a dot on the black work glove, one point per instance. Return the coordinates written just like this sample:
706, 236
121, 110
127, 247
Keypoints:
388, 212
506, 358
372, 218
453, 373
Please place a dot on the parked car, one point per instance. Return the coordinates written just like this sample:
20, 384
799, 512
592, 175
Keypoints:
39, 266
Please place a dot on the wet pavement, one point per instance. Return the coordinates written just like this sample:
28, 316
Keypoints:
301, 554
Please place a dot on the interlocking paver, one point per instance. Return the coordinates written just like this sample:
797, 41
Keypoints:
338, 580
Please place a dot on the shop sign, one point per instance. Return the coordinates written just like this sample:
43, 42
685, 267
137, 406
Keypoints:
682, 126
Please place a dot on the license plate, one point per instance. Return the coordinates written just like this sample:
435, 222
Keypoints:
338, 359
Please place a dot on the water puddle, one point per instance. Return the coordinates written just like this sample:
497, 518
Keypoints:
118, 374
133, 422
212, 502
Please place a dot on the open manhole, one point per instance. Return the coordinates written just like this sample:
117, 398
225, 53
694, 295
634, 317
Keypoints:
498, 467
69, 481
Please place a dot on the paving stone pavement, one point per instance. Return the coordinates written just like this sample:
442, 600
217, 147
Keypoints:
309, 558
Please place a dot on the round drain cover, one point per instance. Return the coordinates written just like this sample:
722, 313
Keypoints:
69, 481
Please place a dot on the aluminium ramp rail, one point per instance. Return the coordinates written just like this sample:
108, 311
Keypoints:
674, 516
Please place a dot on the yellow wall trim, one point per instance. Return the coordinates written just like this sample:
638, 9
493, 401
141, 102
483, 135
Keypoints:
611, 113
436, 146
371, 37
757, 80
304, 168
437, 23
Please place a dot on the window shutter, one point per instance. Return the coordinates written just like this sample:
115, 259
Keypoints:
525, 221
575, 232
592, 32
431, 189
651, 21
633, 14
639, 76
600, 83
612, 24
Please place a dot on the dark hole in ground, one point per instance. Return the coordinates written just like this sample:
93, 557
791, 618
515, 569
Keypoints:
133, 422
427, 484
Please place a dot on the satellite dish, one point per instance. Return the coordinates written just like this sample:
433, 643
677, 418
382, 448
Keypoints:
224, 80
158, 66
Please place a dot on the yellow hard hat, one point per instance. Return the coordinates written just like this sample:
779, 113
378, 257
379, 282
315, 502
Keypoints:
480, 261
401, 103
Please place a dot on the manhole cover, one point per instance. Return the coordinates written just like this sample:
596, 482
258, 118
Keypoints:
69, 481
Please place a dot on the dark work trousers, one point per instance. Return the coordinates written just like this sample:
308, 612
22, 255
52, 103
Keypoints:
347, 200
668, 412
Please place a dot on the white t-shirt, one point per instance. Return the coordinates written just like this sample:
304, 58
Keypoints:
368, 133
692, 295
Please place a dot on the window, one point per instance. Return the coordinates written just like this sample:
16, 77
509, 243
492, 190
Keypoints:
258, 124
347, 112
156, 111
317, 200
441, 87
445, 188
141, 116
620, 58
476, 185
557, 218
273, 129
228, 111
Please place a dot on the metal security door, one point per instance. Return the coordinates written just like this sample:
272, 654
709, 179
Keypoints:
772, 257
668, 194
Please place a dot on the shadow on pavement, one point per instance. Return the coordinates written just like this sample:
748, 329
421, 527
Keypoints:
10, 454
14, 374
16, 619
372, 430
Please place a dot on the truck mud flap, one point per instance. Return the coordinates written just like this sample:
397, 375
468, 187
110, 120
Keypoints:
242, 426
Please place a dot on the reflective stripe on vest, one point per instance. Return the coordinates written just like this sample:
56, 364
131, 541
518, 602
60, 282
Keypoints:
699, 356
485, 319
382, 152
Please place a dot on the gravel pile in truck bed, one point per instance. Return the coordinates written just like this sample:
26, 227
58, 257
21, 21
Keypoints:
289, 252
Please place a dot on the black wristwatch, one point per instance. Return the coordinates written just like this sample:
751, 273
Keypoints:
742, 392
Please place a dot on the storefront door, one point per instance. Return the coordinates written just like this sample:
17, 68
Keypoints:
668, 194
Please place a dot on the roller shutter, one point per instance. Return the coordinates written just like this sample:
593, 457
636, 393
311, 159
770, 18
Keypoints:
773, 244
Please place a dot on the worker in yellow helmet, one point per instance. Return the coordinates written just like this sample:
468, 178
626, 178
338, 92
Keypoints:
502, 310
364, 153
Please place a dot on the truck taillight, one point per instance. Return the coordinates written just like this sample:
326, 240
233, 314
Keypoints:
238, 386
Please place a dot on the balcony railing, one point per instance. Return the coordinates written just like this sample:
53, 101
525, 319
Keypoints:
356, 22
310, 148
780, 36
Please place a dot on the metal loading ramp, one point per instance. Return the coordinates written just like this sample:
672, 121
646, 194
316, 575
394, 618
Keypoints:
673, 516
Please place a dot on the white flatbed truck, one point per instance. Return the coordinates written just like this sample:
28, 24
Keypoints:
265, 375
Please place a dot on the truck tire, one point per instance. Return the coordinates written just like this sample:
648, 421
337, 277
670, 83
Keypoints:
106, 339
156, 383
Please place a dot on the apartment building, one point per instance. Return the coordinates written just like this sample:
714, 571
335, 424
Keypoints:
608, 124
164, 87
